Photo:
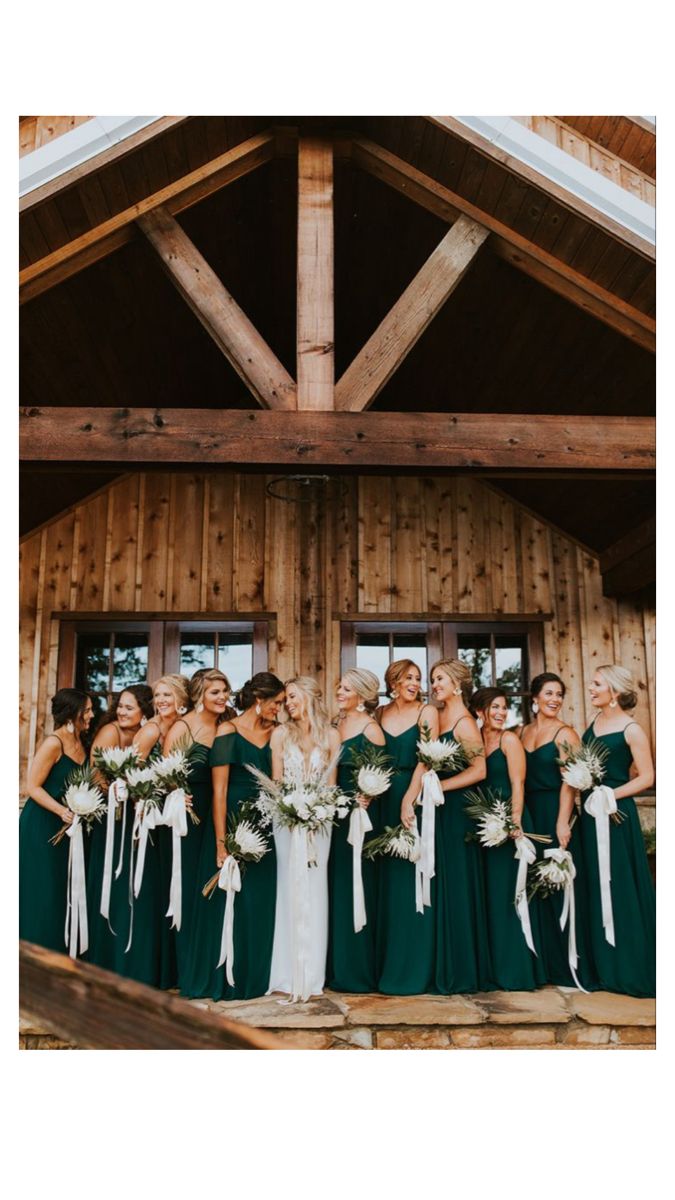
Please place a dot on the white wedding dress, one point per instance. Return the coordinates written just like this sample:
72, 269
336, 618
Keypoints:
301, 923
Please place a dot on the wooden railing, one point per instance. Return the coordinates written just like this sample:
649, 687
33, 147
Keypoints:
98, 1010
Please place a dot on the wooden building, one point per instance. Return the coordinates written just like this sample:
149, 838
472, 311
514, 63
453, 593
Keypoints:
447, 331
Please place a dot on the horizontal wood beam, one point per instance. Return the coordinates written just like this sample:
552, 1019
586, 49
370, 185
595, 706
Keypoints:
110, 235
630, 564
214, 307
548, 186
405, 323
98, 1010
426, 441
525, 255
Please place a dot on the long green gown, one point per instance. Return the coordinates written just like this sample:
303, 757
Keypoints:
404, 938
463, 962
43, 868
542, 797
254, 908
629, 966
199, 784
514, 966
351, 965
146, 959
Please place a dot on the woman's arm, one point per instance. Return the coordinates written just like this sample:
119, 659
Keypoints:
276, 742
177, 731
429, 717
477, 769
47, 756
221, 778
146, 739
333, 747
568, 794
516, 764
642, 758
106, 738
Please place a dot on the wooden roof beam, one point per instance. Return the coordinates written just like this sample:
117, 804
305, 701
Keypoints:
341, 440
526, 256
630, 564
214, 307
405, 323
110, 235
315, 293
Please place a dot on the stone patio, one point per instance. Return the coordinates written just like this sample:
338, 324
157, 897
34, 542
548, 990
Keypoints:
551, 1018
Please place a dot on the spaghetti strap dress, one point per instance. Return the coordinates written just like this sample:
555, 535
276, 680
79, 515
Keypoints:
514, 966
463, 962
254, 908
542, 797
629, 966
404, 938
199, 784
351, 956
43, 868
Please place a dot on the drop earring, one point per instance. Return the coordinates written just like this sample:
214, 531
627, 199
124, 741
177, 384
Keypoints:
360, 708
257, 709
535, 707
144, 721
457, 691
480, 722
182, 710
394, 694
200, 707
612, 704
70, 727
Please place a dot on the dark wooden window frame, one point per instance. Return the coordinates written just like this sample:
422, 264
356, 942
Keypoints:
164, 630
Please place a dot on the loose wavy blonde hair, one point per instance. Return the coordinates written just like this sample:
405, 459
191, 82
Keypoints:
315, 710
179, 686
199, 685
459, 673
395, 672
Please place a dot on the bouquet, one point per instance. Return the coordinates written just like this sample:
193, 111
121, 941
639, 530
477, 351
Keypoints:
494, 819
244, 843
311, 804
113, 763
172, 773
371, 773
142, 786
583, 768
84, 799
371, 776
440, 755
144, 791
397, 842
556, 873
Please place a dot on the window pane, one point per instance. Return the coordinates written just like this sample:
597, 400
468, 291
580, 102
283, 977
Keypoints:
372, 653
197, 652
474, 650
130, 659
509, 659
93, 662
235, 658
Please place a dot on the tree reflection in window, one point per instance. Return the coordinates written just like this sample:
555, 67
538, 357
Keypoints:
109, 661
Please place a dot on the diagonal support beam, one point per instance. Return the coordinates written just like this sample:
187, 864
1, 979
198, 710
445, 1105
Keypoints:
405, 323
265, 377
110, 235
315, 301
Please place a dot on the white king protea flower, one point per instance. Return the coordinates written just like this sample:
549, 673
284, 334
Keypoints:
83, 799
373, 781
578, 775
437, 753
248, 841
492, 830
175, 763
553, 873
118, 757
139, 775
405, 845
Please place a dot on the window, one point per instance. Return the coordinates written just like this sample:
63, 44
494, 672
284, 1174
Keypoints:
504, 654
105, 656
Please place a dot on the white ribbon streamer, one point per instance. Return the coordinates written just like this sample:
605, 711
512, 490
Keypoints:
526, 854
359, 825
147, 817
302, 854
230, 882
76, 928
124, 796
117, 794
432, 797
600, 805
174, 815
568, 910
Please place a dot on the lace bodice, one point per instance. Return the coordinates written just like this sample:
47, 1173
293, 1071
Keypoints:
298, 769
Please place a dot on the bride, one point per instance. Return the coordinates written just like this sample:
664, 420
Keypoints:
304, 748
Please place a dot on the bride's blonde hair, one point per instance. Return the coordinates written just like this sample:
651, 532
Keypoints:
315, 710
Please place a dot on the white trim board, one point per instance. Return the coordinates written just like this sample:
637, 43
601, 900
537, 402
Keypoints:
63, 153
555, 164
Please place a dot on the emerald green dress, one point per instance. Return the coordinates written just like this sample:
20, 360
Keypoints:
43, 868
514, 966
542, 797
254, 908
351, 963
629, 966
199, 784
463, 962
145, 960
404, 938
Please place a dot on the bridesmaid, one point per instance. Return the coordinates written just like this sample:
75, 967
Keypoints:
404, 938
43, 868
351, 956
628, 966
108, 939
514, 966
463, 962
209, 694
546, 797
238, 743
170, 696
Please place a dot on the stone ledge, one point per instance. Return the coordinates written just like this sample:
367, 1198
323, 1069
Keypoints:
413, 1010
609, 1008
525, 1008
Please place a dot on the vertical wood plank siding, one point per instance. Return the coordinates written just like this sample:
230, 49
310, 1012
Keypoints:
219, 543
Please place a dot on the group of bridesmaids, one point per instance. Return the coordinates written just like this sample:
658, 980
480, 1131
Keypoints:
469, 938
